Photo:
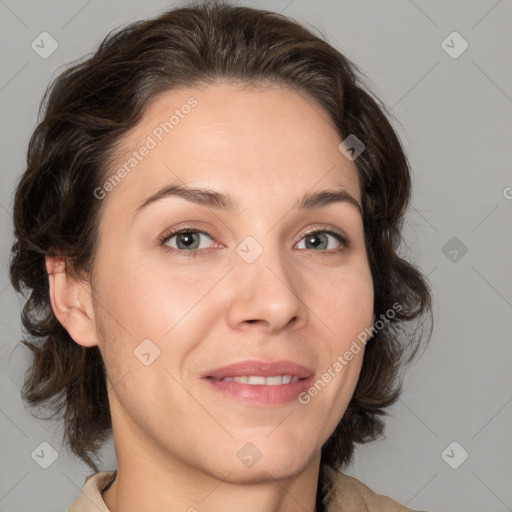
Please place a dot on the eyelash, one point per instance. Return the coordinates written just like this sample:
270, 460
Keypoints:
198, 252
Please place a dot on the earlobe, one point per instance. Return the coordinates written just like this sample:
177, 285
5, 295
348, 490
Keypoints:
71, 301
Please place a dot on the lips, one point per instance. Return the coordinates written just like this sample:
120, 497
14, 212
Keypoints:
260, 382
260, 369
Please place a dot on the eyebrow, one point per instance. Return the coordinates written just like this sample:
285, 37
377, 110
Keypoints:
214, 199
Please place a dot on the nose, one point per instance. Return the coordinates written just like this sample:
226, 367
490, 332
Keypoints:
265, 295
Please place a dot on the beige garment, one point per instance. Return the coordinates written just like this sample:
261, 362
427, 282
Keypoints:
344, 494
347, 494
90, 499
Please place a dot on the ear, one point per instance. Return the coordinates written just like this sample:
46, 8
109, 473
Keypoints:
71, 301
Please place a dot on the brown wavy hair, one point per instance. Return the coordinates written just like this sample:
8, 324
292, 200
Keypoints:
84, 114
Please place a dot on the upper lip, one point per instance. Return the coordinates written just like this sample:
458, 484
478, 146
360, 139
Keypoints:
261, 368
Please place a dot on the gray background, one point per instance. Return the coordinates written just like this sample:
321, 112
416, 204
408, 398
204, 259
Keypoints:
455, 117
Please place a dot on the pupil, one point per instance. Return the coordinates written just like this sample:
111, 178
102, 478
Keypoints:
187, 239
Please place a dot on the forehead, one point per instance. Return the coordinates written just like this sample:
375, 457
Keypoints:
274, 141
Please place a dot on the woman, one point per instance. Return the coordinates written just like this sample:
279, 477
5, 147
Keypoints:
207, 228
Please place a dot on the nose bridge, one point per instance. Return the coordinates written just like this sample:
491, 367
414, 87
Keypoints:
266, 288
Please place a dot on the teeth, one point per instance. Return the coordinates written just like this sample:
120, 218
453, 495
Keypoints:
274, 381
256, 380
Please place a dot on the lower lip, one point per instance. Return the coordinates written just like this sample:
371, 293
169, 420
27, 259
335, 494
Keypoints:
261, 393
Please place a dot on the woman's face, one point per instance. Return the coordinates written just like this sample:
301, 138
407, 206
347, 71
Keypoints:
263, 279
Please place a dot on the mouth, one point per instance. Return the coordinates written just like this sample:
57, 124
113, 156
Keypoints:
261, 382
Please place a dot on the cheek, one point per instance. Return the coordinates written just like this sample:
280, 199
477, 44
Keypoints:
345, 304
148, 298
346, 308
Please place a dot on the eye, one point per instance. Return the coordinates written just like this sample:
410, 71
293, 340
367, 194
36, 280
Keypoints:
185, 240
194, 241
320, 240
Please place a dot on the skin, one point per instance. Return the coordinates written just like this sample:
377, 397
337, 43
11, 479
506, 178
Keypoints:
176, 438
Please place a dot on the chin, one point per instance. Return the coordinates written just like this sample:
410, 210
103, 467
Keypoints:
252, 465
261, 473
